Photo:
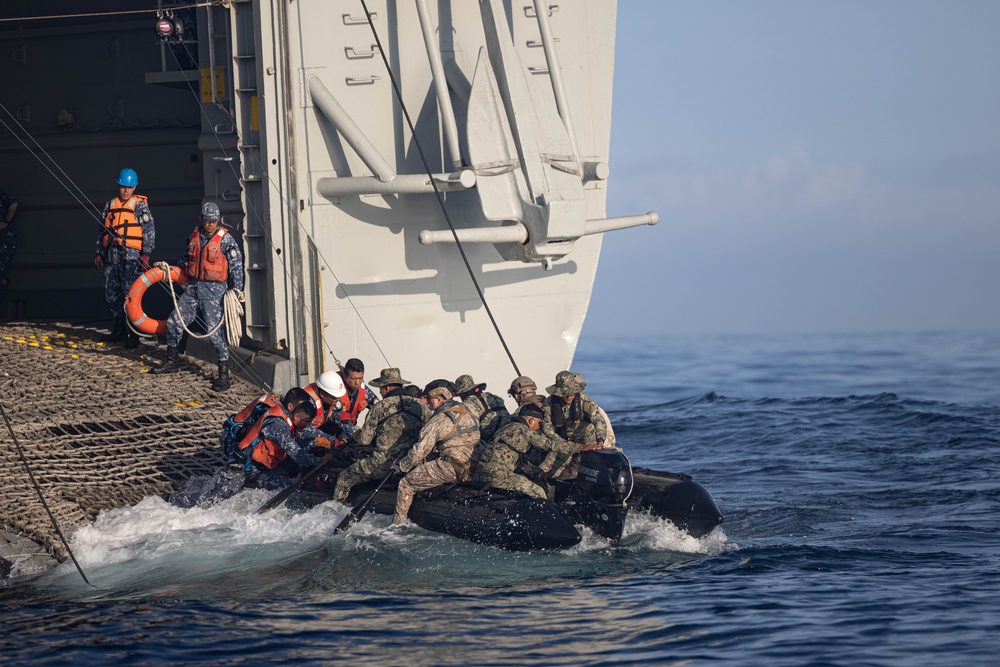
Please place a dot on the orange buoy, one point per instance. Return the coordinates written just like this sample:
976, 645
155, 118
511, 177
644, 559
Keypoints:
133, 302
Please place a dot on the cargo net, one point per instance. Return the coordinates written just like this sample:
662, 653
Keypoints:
97, 429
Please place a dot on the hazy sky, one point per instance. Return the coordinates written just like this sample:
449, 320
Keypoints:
817, 167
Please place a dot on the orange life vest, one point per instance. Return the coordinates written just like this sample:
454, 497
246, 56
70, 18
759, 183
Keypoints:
263, 451
323, 413
351, 412
122, 225
208, 263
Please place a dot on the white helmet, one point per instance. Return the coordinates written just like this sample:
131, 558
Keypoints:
331, 383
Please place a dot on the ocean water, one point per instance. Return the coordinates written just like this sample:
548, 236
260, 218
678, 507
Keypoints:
858, 475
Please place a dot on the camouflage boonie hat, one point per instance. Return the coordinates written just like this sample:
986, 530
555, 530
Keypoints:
210, 211
567, 383
521, 382
387, 377
464, 384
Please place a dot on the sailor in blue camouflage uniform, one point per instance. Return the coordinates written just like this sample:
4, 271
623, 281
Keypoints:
8, 237
123, 247
213, 262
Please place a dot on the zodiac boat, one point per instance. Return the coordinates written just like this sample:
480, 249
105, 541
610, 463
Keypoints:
599, 499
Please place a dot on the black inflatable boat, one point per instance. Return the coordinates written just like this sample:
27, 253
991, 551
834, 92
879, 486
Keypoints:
605, 489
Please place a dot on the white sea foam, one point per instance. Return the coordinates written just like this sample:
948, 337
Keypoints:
153, 529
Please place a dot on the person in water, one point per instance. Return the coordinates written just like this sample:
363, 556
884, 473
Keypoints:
453, 432
392, 425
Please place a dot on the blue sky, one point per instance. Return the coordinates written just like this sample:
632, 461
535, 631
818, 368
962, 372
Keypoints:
817, 166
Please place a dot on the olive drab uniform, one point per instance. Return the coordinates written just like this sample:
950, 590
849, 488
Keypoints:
127, 234
8, 239
504, 461
393, 425
453, 432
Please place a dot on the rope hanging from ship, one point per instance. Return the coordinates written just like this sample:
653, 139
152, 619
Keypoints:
437, 190
41, 496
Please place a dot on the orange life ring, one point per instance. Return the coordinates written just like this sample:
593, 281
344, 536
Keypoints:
133, 302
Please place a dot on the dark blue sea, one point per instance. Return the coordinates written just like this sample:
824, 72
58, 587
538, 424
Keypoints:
858, 475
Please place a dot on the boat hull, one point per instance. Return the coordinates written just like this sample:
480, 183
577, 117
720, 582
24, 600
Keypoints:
516, 522
676, 497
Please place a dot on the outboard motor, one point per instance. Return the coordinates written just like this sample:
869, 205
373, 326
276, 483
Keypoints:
603, 485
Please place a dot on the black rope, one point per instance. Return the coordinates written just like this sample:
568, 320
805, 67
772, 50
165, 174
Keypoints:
437, 191
31, 476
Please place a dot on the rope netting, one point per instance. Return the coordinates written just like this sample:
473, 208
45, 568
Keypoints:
97, 429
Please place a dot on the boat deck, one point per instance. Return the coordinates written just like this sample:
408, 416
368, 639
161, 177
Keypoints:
96, 428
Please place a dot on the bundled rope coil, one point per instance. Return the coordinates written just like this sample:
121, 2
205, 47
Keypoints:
232, 311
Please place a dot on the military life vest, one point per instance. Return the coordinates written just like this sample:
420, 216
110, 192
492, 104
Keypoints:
323, 413
352, 411
559, 422
121, 224
256, 447
207, 263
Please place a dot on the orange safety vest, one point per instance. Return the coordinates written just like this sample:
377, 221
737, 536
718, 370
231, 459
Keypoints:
121, 223
350, 412
263, 451
323, 413
209, 263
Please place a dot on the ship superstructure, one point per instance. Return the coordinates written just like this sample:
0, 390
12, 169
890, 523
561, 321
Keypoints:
287, 114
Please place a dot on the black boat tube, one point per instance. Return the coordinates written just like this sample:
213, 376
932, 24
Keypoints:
676, 497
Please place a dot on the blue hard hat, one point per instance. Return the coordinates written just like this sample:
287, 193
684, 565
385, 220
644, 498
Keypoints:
128, 178
210, 211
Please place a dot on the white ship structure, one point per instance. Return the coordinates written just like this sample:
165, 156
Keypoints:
416, 184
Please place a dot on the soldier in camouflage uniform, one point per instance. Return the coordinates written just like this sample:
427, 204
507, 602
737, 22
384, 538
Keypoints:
8, 237
610, 440
521, 389
393, 424
573, 415
123, 247
493, 415
453, 432
504, 464
213, 260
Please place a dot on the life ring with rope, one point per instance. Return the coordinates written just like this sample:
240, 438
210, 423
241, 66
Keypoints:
133, 302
